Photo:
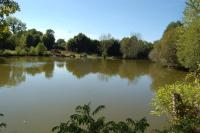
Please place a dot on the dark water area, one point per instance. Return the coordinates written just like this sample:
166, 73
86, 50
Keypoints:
39, 93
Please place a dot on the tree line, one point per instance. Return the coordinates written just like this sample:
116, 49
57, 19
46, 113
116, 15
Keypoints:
15, 39
180, 43
178, 47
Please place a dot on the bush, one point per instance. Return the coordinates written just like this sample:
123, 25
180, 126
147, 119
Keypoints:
32, 51
41, 49
21, 51
9, 53
47, 53
181, 102
85, 120
2, 125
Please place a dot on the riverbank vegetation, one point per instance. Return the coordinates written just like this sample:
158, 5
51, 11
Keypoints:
180, 102
86, 121
179, 46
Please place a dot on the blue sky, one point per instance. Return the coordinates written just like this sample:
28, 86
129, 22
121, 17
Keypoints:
95, 17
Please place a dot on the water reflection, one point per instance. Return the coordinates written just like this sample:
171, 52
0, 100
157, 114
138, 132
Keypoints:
47, 89
14, 70
125, 69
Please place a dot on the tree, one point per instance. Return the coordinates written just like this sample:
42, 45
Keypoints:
33, 37
7, 7
166, 48
109, 46
192, 11
49, 39
15, 25
154, 54
188, 46
82, 44
131, 47
60, 42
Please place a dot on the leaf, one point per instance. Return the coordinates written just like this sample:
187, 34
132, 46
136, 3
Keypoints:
98, 109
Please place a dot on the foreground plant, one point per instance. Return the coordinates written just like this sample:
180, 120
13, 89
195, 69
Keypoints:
2, 125
181, 102
85, 121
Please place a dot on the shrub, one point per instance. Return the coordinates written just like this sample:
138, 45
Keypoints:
41, 49
21, 51
9, 53
32, 51
181, 102
85, 120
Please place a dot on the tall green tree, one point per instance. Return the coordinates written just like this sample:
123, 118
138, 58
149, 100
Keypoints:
189, 46
109, 46
83, 44
192, 11
15, 25
131, 47
165, 50
49, 39
60, 42
33, 37
7, 7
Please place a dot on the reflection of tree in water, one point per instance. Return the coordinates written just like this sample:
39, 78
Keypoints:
126, 69
15, 71
2, 60
162, 76
103, 77
60, 64
82, 67
10, 76
131, 70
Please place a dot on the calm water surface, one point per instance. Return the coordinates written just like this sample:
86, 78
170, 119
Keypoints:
39, 93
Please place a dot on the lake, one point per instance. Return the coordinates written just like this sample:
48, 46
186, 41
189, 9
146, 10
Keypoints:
39, 93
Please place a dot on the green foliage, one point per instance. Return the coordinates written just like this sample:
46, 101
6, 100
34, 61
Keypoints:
165, 50
41, 49
15, 25
8, 53
2, 125
85, 121
21, 52
32, 51
60, 42
49, 39
82, 44
110, 47
133, 47
189, 49
7, 7
192, 11
33, 37
180, 101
